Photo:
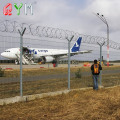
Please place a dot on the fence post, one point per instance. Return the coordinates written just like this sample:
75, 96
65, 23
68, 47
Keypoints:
69, 41
101, 44
21, 52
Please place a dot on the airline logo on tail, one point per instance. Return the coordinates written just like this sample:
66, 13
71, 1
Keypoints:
76, 46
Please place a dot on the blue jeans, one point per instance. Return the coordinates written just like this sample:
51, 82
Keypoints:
95, 82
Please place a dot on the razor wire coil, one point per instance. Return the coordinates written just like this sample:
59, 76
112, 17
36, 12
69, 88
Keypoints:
42, 31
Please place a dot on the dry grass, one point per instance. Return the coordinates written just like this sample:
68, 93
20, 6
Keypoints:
31, 72
103, 104
45, 71
78, 105
51, 85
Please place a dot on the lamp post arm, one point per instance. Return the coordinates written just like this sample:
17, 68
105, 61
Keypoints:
101, 17
104, 20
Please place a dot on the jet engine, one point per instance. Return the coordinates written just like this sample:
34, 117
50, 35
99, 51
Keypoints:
45, 59
48, 59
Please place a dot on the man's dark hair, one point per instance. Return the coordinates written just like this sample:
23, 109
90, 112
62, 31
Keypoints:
95, 61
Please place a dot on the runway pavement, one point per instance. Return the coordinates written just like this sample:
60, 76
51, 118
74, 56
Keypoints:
13, 66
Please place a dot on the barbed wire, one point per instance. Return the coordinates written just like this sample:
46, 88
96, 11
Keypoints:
41, 31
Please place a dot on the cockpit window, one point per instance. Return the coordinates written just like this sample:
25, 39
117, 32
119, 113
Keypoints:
7, 51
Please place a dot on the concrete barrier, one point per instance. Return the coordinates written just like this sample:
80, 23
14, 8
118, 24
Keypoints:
30, 97
37, 96
11, 100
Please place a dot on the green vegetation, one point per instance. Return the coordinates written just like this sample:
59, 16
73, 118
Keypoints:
78, 74
1, 72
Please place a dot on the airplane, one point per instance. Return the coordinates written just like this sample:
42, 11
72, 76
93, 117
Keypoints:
32, 55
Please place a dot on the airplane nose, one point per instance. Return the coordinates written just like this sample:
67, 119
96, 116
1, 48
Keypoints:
3, 54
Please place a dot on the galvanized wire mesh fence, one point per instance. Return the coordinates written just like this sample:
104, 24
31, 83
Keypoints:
42, 78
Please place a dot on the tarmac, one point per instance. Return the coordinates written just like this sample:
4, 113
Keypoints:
13, 66
47, 65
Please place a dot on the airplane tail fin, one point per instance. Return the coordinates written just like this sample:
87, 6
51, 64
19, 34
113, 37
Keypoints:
76, 46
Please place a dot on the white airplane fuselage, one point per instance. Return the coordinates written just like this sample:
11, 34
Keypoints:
47, 52
11, 53
37, 53
46, 55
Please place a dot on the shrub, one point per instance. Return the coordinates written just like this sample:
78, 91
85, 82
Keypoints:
78, 74
1, 72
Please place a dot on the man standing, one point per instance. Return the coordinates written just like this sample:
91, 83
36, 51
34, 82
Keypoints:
95, 72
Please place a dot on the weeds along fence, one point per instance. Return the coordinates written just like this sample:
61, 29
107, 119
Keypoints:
43, 78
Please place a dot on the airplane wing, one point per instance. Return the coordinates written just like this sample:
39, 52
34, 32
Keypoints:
81, 52
72, 53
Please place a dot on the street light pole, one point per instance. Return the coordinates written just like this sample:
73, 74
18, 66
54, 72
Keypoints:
105, 21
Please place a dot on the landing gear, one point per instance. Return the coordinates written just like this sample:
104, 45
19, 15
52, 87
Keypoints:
16, 62
44, 60
41, 60
55, 63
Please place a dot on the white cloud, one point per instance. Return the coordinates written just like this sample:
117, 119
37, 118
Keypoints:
72, 15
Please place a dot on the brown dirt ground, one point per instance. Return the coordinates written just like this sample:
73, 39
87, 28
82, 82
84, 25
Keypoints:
103, 104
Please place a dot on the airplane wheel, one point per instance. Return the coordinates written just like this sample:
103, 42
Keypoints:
16, 62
